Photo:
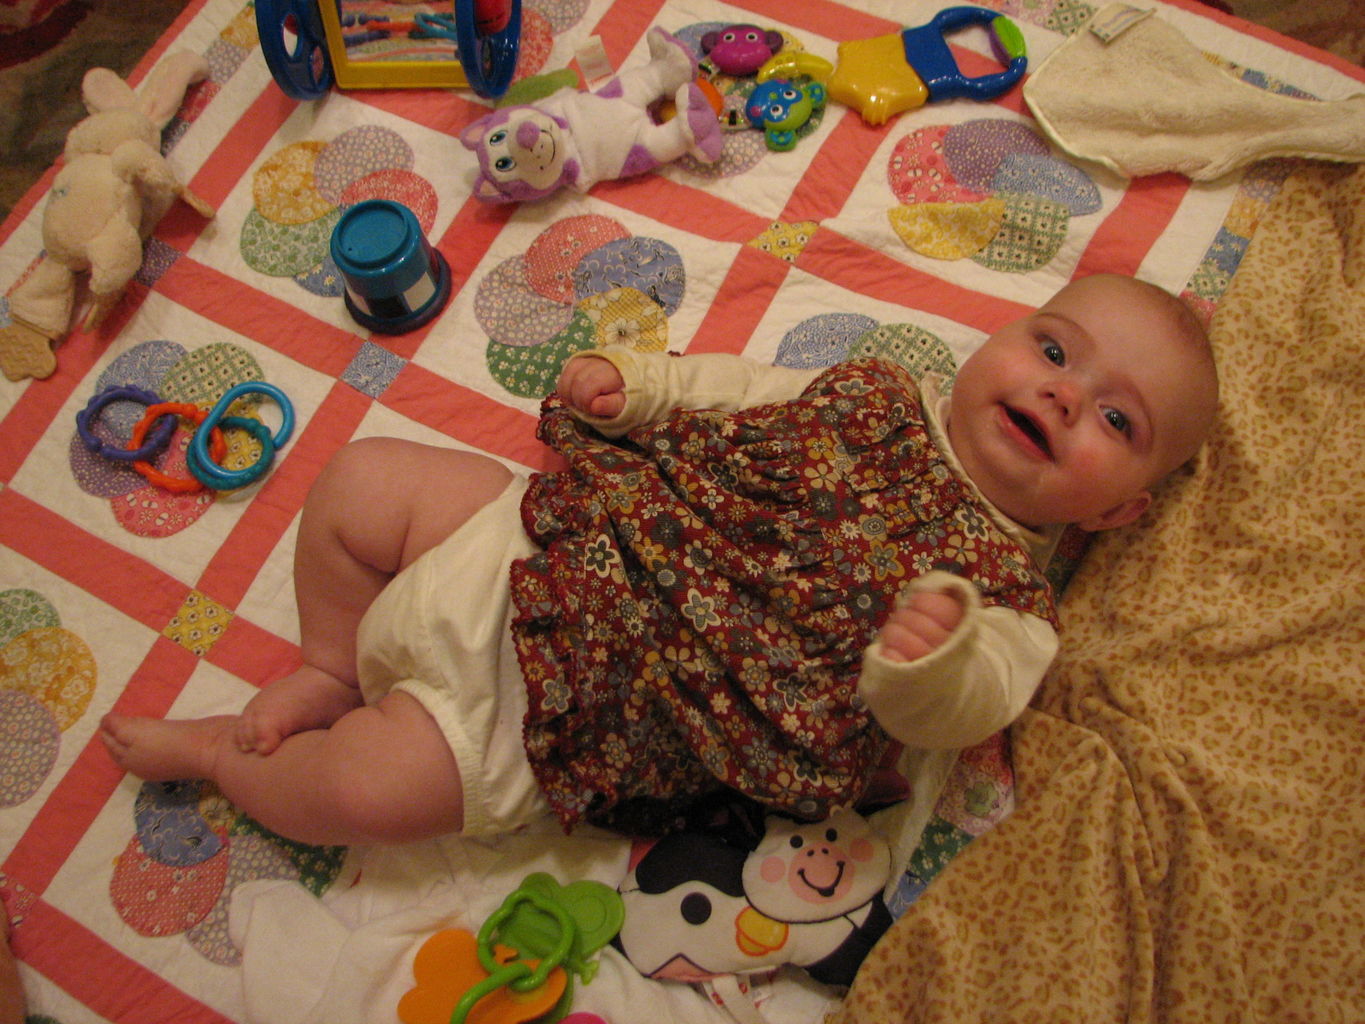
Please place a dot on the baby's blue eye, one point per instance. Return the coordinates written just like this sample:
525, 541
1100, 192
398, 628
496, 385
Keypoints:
1117, 420
1053, 352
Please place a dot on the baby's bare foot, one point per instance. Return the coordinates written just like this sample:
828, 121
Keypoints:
306, 699
158, 750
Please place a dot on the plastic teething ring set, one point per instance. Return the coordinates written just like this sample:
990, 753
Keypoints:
208, 445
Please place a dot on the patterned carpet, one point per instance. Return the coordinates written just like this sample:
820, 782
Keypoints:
40, 96
1337, 26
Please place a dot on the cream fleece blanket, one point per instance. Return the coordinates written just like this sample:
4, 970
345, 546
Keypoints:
1145, 100
1189, 842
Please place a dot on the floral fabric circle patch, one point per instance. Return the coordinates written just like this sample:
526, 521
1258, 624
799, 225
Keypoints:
29, 741
626, 316
919, 351
585, 282
822, 340
988, 190
47, 679
300, 192
189, 851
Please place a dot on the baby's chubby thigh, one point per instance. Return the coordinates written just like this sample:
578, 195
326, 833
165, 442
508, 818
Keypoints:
438, 637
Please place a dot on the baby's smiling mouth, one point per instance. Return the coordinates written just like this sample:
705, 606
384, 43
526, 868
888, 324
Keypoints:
1030, 429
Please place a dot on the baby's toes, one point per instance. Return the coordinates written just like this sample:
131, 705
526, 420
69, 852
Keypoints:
244, 733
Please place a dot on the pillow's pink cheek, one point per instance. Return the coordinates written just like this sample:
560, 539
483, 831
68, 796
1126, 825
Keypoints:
773, 869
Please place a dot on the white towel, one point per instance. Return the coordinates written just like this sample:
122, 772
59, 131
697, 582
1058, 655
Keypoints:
1146, 101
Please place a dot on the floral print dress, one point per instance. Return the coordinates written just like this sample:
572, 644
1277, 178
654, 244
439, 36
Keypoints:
709, 583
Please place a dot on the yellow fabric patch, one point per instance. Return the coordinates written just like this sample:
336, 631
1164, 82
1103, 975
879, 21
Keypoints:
243, 450
283, 186
1245, 213
626, 316
948, 231
54, 667
786, 241
198, 624
241, 30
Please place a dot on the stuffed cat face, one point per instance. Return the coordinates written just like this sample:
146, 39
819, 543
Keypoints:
524, 153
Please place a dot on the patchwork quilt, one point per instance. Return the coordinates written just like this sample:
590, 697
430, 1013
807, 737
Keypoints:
911, 240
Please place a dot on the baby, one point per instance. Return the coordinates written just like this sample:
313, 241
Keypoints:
775, 580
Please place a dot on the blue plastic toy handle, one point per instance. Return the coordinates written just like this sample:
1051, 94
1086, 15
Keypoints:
927, 51
305, 71
488, 60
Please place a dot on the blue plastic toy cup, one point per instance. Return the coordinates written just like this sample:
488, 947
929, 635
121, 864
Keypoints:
395, 280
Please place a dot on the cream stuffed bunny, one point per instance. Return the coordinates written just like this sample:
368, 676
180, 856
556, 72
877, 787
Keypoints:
113, 188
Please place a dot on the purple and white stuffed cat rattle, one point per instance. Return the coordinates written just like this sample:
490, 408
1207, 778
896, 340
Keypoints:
580, 138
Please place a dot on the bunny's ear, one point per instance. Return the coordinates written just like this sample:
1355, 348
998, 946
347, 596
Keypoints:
160, 95
102, 90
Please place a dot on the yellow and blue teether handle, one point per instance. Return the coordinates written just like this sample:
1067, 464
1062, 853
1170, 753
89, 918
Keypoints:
928, 53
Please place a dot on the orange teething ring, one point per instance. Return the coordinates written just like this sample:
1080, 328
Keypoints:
180, 485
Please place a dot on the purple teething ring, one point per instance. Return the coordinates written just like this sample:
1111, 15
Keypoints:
157, 439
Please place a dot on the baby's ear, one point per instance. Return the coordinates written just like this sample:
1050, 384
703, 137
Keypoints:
1121, 514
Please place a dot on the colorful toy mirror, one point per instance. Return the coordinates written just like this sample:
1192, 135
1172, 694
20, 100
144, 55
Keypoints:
309, 45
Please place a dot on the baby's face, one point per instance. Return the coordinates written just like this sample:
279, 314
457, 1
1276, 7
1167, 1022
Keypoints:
1070, 414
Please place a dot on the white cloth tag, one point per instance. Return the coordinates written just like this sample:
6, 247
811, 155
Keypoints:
592, 59
1116, 19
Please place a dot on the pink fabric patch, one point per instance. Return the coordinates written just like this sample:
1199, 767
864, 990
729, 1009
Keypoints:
160, 899
918, 170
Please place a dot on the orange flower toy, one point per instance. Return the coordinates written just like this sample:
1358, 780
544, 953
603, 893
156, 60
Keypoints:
519, 969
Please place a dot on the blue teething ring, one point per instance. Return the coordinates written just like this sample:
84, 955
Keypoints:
304, 72
157, 440
213, 475
488, 61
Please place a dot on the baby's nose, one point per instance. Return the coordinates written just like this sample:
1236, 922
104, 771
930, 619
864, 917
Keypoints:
1065, 396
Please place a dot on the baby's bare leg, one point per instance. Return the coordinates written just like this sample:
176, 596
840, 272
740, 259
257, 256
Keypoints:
377, 506
378, 774
374, 509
